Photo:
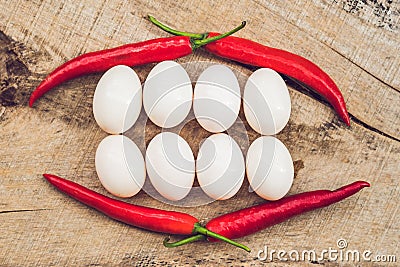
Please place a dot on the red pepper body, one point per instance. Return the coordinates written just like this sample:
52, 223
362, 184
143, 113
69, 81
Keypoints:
143, 217
250, 220
150, 51
295, 66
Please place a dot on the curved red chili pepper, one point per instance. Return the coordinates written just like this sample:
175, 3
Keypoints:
255, 54
250, 220
253, 219
150, 51
157, 220
252, 53
131, 55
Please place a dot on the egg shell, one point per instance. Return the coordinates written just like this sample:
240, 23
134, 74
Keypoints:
167, 94
269, 168
120, 166
266, 102
220, 166
170, 165
217, 98
117, 100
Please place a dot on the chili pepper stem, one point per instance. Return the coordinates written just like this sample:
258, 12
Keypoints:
198, 229
197, 43
190, 239
198, 39
168, 29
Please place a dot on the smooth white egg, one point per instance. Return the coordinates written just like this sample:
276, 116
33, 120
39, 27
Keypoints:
170, 165
220, 166
120, 166
269, 168
117, 100
266, 102
167, 94
216, 101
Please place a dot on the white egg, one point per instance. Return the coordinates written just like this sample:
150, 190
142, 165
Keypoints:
266, 102
216, 101
170, 165
167, 94
269, 168
120, 166
117, 100
220, 166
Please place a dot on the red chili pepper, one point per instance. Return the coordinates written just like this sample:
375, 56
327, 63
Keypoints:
150, 51
252, 53
157, 220
253, 219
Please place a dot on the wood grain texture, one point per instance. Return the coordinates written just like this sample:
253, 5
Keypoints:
356, 42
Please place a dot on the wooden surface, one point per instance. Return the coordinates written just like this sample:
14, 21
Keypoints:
356, 42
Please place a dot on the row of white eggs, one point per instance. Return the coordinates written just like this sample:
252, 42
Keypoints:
171, 167
168, 96
167, 99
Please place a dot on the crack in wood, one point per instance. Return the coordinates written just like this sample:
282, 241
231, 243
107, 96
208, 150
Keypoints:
365, 70
302, 88
371, 128
22, 210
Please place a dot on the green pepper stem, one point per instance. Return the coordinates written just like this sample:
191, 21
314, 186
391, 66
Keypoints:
190, 239
204, 231
201, 234
198, 39
176, 32
198, 43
